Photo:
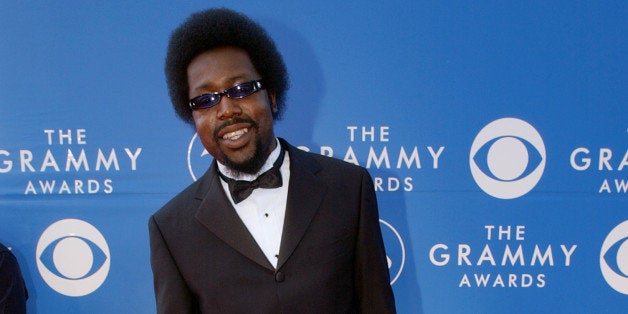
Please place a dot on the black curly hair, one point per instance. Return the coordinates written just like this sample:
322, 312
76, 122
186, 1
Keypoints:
215, 28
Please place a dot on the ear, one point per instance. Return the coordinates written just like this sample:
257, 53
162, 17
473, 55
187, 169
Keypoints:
273, 102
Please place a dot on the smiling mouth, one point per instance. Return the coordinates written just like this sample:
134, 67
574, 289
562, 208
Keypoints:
232, 136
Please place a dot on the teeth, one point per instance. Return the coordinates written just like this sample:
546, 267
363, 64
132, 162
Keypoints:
235, 135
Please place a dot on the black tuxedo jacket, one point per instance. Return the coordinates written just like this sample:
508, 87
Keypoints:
331, 259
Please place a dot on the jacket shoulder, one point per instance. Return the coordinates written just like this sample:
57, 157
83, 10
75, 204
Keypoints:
181, 204
328, 164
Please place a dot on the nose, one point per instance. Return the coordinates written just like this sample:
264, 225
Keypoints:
227, 108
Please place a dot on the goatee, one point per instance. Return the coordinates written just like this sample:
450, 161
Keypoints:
251, 165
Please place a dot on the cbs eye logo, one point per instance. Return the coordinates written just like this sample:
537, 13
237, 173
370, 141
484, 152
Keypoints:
507, 158
395, 250
614, 258
198, 158
73, 257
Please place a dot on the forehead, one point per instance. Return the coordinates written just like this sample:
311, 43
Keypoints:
220, 68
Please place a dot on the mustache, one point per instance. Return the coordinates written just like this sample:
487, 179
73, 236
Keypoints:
233, 121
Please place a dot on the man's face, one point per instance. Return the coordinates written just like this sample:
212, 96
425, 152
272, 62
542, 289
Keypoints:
237, 132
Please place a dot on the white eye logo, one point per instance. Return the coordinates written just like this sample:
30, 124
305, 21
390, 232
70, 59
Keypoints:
507, 158
614, 258
395, 250
198, 158
73, 257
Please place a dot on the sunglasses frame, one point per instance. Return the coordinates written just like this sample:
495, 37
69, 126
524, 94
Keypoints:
209, 100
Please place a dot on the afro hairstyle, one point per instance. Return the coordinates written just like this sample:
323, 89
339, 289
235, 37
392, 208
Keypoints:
214, 28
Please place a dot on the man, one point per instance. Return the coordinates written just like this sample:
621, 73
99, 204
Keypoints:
13, 292
305, 239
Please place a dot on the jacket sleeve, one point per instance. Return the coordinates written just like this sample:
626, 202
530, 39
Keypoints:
13, 294
372, 279
171, 292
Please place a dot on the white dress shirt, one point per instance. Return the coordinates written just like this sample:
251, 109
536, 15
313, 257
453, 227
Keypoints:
264, 210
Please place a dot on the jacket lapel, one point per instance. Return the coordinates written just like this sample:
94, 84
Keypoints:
305, 194
218, 215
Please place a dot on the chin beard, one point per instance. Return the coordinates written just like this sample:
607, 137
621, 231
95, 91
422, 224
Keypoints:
253, 164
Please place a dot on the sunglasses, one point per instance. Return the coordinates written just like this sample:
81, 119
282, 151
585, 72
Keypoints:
237, 91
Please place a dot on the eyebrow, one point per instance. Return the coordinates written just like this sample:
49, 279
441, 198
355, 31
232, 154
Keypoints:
231, 79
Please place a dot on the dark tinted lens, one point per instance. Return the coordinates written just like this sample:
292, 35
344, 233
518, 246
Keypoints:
205, 101
238, 91
241, 90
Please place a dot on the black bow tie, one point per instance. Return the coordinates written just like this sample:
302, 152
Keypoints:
241, 189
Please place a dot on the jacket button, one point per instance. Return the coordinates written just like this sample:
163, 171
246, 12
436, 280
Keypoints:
280, 277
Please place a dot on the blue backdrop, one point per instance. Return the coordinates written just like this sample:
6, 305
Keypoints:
495, 131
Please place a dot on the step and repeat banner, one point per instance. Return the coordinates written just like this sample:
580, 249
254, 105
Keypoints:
495, 131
